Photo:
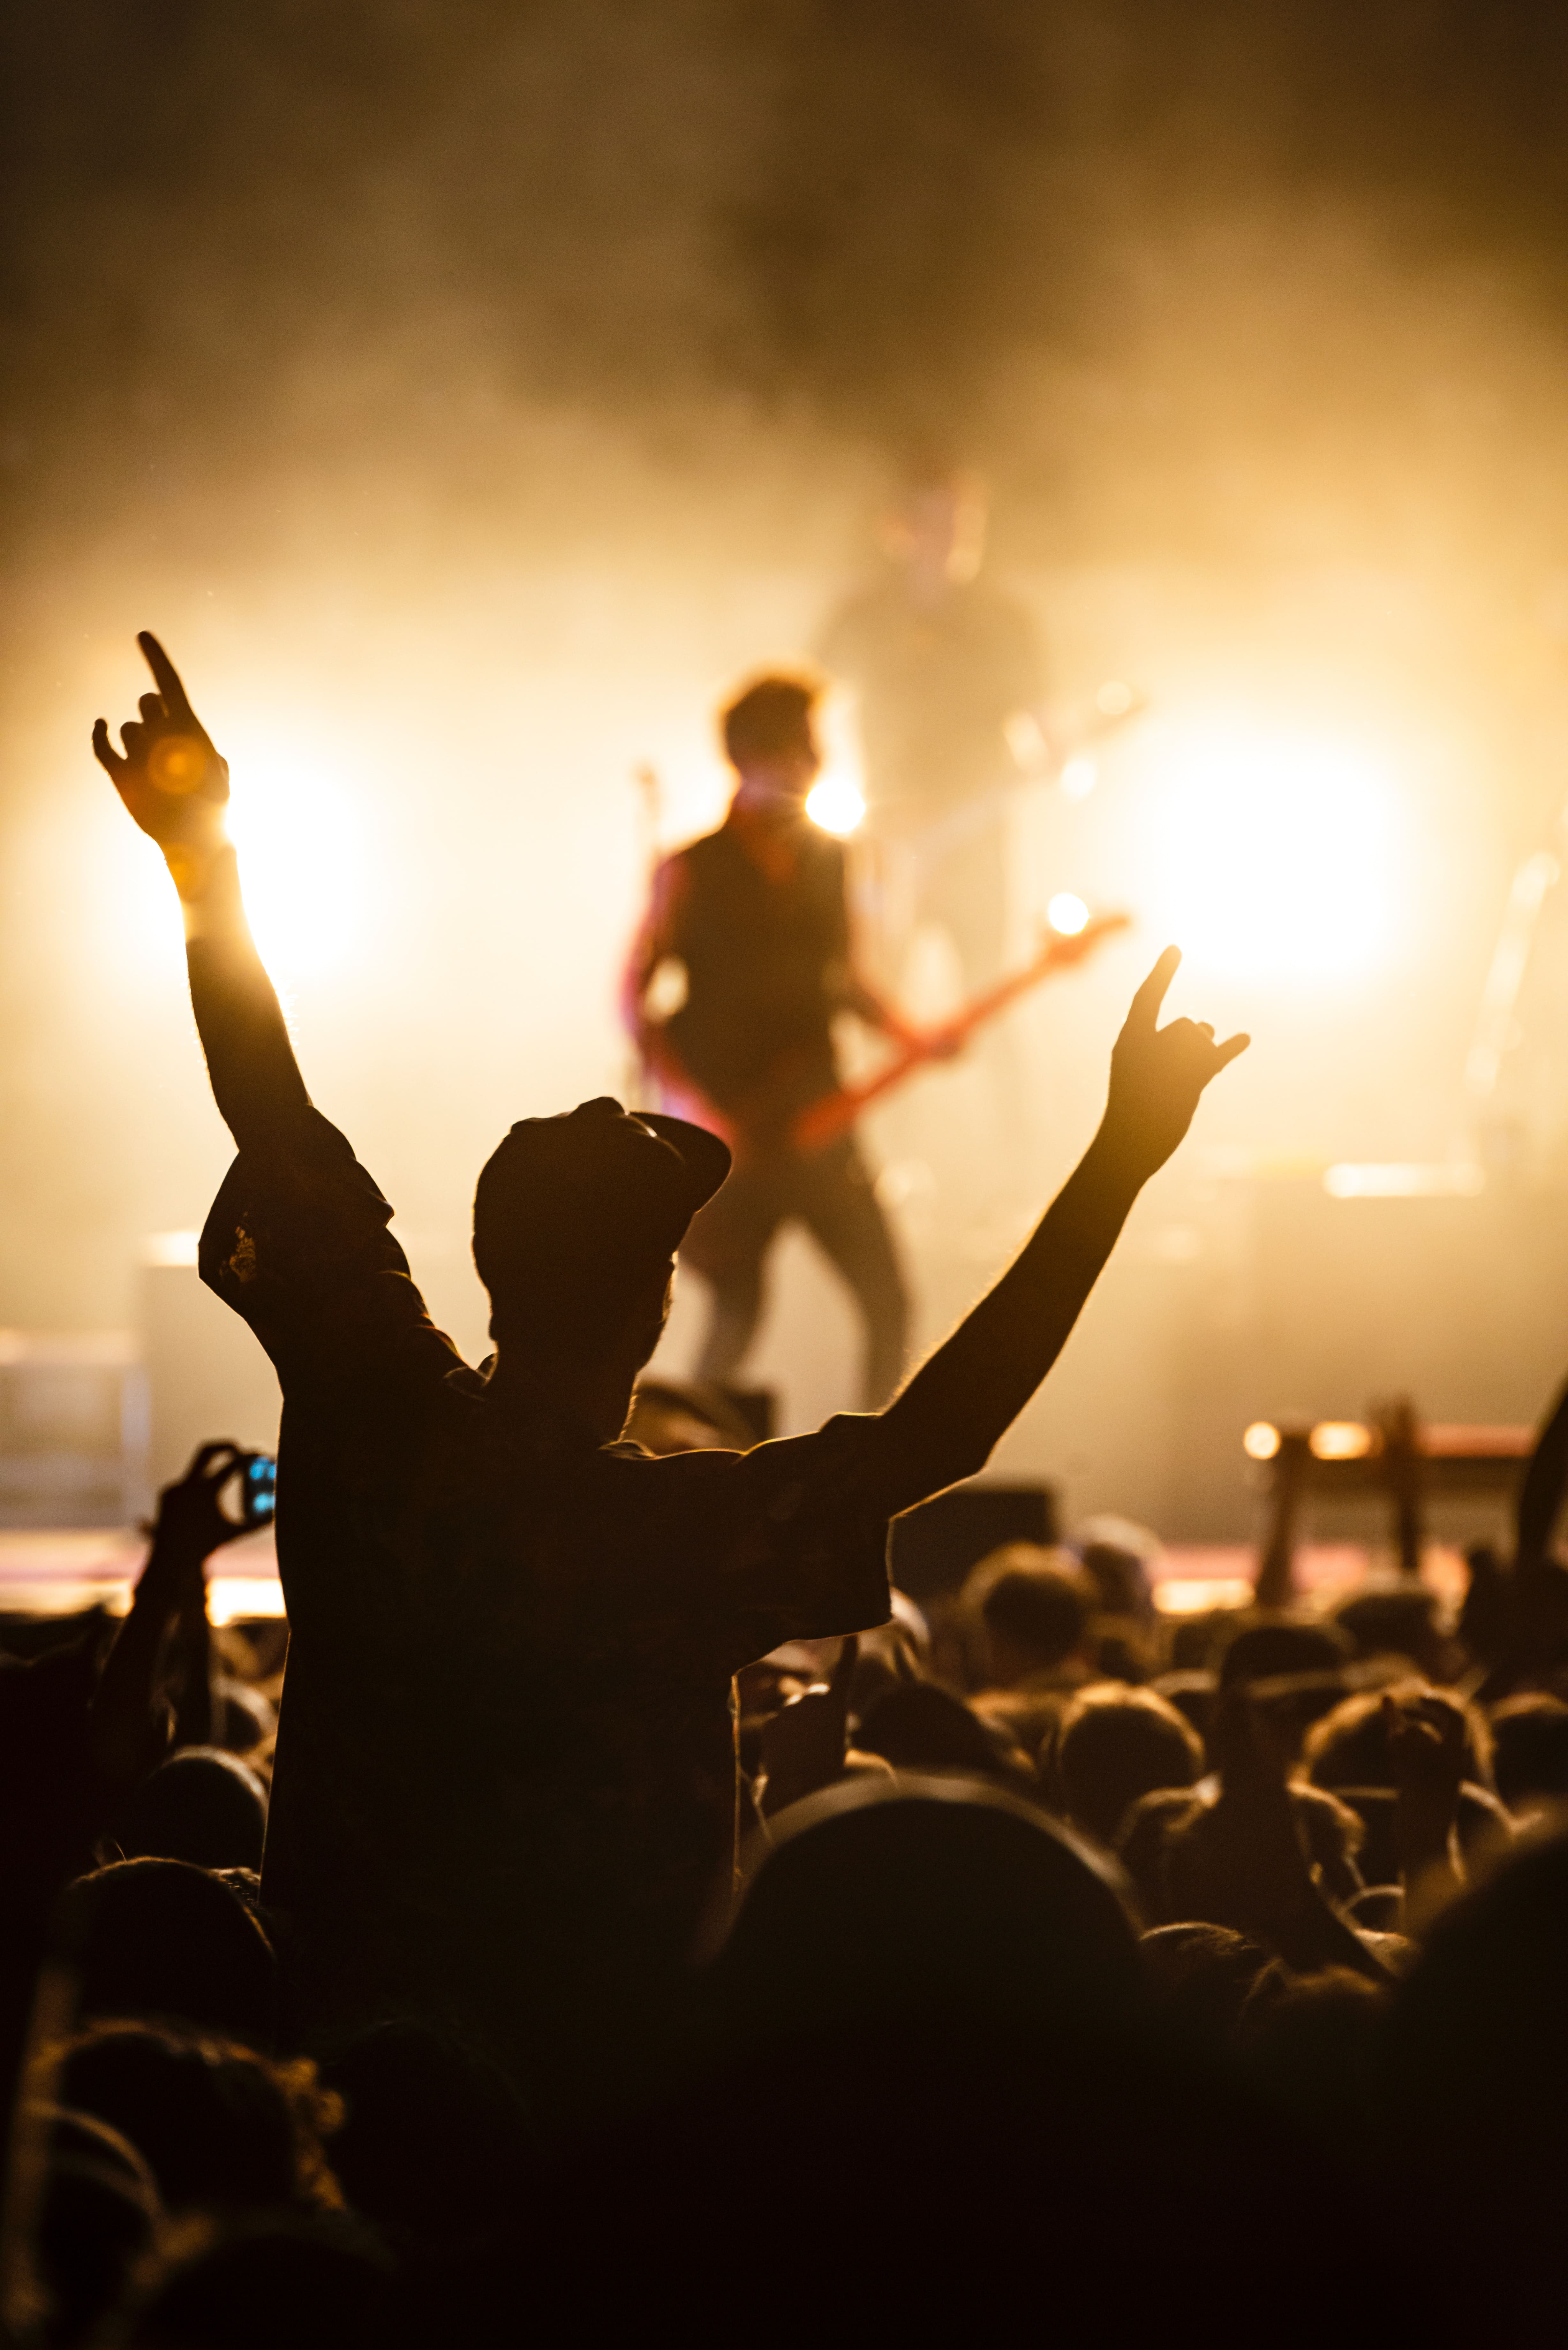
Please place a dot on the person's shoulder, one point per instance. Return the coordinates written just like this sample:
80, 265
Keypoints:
709, 849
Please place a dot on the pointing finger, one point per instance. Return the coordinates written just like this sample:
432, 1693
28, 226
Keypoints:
1145, 1003
166, 675
1229, 1051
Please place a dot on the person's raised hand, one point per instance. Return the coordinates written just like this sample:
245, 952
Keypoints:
172, 781
190, 1521
1158, 1074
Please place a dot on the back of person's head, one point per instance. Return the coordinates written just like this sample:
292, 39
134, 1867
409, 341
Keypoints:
1121, 1559
1399, 1622
1115, 1745
1350, 1746
96, 2216
221, 2127
917, 1726
1264, 1646
310, 2284
1033, 1607
1530, 1750
203, 1805
433, 2147
934, 1898
770, 719
159, 1938
577, 1219
1310, 2044
1202, 1977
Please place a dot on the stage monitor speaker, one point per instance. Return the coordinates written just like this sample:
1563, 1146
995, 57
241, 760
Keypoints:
932, 1548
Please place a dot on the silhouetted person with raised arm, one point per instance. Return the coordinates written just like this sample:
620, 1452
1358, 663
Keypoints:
552, 1619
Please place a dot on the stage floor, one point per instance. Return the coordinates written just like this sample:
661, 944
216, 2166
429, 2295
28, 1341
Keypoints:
60, 1571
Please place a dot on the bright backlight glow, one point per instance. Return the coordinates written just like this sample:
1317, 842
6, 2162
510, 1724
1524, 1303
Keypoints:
835, 804
299, 857
1066, 914
1275, 852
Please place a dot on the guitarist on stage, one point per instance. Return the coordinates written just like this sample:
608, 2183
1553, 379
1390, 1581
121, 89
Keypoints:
754, 916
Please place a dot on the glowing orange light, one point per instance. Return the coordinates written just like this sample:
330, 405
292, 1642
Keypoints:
1340, 1440
1262, 1440
1066, 914
177, 763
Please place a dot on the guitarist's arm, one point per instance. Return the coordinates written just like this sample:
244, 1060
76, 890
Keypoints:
943, 1425
654, 943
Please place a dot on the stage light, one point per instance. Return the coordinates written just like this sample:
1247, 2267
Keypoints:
835, 804
1262, 1440
1402, 1180
1078, 777
1272, 853
1340, 1440
1066, 914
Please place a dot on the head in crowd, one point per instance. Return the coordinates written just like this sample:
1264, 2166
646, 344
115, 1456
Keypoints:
769, 734
577, 1219
98, 2214
1349, 1747
433, 2146
1201, 1978
916, 1726
1115, 1745
159, 1938
1034, 1606
221, 2128
938, 1897
1310, 2045
1264, 1646
1398, 1623
1122, 1560
203, 1805
1530, 1750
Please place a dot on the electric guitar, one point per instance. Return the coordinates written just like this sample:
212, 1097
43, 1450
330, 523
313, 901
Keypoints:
773, 1115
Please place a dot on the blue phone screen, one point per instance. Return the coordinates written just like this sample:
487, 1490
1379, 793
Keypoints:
261, 1487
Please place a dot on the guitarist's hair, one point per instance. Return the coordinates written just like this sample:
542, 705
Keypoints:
769, 718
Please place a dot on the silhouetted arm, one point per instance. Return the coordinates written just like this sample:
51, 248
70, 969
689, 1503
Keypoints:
176, 787
947, 1420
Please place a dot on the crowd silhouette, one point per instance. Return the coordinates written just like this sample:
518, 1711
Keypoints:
625, 1909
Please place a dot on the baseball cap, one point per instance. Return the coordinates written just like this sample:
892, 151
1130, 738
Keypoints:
581, 1202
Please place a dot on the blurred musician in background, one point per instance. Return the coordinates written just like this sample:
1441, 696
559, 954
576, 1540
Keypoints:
751, 922
948, 670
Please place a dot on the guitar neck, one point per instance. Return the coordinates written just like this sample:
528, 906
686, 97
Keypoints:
823, 1120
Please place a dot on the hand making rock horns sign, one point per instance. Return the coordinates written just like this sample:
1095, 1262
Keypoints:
1158, 1075
172, 781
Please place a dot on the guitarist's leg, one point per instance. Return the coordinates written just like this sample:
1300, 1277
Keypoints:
728, 1244
834, 1200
